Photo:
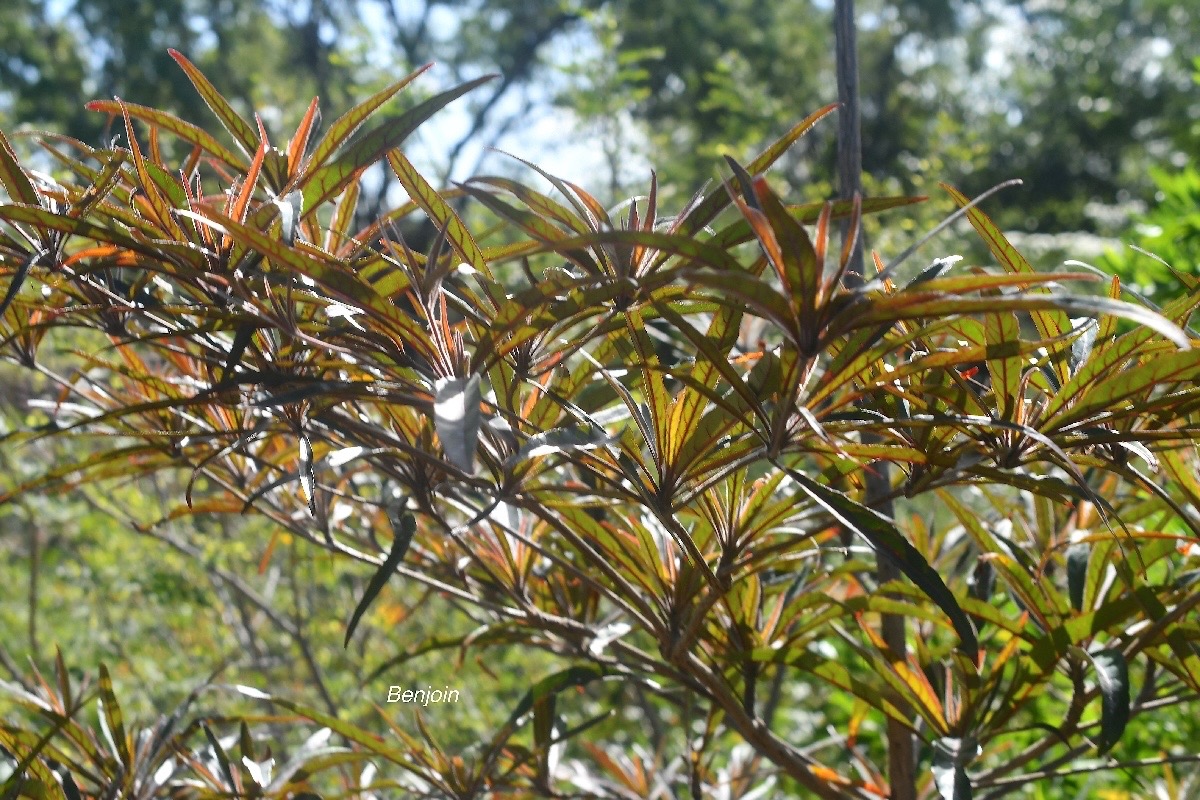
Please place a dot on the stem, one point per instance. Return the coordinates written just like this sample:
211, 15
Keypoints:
1017, 781
35, 567
901, 752
793, 762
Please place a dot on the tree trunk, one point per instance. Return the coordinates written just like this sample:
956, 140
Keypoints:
901, 761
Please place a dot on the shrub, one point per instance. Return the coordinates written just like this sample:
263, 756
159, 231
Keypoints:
642, 446
1168, 237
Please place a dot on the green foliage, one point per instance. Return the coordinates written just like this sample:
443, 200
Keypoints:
1168, 236
635, 444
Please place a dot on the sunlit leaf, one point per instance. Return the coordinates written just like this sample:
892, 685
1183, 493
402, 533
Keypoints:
457, 417
1049, 323
950, 757
1181, 367
1112, 678
561, 440
439, 211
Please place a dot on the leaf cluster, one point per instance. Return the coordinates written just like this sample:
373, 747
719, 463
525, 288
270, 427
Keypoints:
638, 442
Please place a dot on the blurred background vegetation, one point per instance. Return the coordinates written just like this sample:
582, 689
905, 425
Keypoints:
1092, 103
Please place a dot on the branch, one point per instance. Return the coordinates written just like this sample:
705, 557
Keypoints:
1008, 784
522, 66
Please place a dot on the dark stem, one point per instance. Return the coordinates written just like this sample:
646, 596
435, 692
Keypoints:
901, 760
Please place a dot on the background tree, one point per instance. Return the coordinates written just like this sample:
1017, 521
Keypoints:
633, 447
1076, 99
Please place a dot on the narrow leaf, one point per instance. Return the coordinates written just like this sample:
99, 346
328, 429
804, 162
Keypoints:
14, 179
552, 685
1050, 323
1004, 361
18, 279
439, 211
1158, 372
560, 440
328, 181
1112, 676
299, 142
456, 416
114, 722
800, 269
705, 211
404, 525
241, 130
882, 535
1077, 569
184, 130
345, 126
308, 479
950, 757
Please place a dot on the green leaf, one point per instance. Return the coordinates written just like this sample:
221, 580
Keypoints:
552, 685
1112, 677
1004, 361
339, 280
543, 726
345, 126
739, 231
1077, 570
456, 416
538, 227
18, 280
697, 254
1050, 323
159, 202
800, 271
1127, 385
882, 535
714, 355
220, 754
41, 776
404, 525
745, 183
1094, 306
758, 296
591, 214
708, 208
241, 130
184, 130
79, 227
439, 211
1113, 353
545, 206
111, 719
328, 181
14, 179
560, 440
950, 758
